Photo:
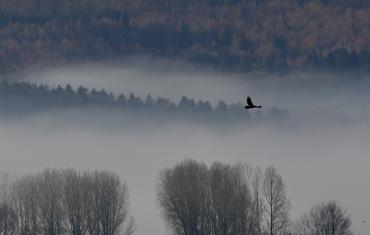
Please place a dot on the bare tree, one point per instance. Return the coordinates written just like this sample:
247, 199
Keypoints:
196, 200
325, 219
7, 214
276, 203
25, 196
7, 219
230, 199
56, 202
256, 225
107, 204
74, 201
182, 196
51, 212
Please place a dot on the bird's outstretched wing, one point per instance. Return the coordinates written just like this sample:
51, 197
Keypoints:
249, 101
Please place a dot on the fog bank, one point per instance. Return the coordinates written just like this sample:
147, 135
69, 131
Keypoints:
318, 96
315, 164
323, 155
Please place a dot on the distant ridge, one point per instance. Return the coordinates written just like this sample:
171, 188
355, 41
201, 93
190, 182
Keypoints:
236, 35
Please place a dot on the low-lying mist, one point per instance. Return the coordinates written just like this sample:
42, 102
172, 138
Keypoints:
323, 156
320, 97
316, 165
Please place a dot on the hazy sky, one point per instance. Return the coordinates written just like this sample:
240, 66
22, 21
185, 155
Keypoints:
325, 156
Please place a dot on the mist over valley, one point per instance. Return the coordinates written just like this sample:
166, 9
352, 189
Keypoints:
318, 149
197, 117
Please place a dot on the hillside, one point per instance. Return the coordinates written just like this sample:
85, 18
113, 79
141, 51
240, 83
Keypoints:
225, 34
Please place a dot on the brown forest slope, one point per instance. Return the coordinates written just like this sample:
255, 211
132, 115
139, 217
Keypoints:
227, 34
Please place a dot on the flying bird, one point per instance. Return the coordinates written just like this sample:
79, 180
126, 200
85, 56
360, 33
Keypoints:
250, 104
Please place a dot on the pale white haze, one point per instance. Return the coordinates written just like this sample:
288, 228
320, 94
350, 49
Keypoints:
322, 154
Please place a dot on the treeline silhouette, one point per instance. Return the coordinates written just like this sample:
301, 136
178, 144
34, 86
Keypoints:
195, 199
225, 34
25, 97
226, 199
56, 202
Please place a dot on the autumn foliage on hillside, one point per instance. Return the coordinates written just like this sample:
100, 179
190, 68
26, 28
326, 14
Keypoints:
225, 34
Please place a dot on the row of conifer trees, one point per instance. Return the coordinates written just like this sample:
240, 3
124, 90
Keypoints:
20, 97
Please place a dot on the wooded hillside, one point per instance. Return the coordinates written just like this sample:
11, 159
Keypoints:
226, 34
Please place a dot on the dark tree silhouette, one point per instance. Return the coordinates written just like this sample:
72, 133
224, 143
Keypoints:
327, 218
65, 202
25, 97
